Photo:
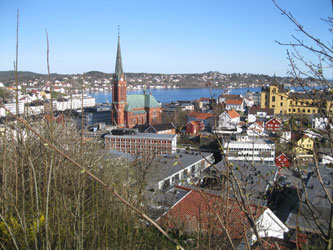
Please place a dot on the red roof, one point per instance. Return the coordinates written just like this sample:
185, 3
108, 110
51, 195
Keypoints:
234, 102
194, 213
233, 114
275, 120
200, 116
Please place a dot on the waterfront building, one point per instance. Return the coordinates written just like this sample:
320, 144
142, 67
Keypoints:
132, 142
130, 110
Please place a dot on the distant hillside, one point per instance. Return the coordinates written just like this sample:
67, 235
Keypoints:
9, 76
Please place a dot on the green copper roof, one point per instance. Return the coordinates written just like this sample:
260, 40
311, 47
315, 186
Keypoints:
140, 101
119, 65
139, 112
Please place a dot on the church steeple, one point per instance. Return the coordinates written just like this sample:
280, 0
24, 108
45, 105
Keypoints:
119, 65
119, 95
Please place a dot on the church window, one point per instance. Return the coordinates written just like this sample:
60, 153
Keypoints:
273, 98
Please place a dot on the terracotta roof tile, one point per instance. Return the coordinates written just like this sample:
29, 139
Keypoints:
233, 114
234, 102
200, 116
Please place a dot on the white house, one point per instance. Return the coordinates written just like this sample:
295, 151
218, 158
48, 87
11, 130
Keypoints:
320, 123
285, 137
228, 120
236, 104
256, 129
249, 102
255, 112
269, 226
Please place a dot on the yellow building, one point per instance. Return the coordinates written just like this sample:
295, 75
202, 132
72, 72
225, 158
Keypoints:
303, 146
275, 97
285, 102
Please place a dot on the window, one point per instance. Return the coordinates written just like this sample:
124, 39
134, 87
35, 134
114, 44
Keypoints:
281, 104
273, 98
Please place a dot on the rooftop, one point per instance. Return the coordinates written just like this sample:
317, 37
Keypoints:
233, 114
163, 166
201, 116
144, 136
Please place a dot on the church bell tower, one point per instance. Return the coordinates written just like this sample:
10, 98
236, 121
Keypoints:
119, 93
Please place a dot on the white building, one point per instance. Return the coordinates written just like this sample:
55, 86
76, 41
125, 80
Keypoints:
285, 137
11, 107
228, 120
251, 150
178, 169
320, 123
256, 129
236, 104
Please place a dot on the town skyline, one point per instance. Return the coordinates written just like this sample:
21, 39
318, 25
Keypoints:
173, 38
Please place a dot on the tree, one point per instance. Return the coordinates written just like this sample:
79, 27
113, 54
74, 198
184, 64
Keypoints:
306, 70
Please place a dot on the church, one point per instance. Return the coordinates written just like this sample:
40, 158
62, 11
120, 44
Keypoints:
131, 110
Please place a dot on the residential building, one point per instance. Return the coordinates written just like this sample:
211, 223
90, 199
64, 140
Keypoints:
282, 161
179, 168
224, 97
228, 120
132, 142
194, 127
321, 123
237, 104
303, 144
257, 112
255, 150
285, 137
273, 125
11, 107
256, 129
206, 118
200, 212
130, 110
255, 96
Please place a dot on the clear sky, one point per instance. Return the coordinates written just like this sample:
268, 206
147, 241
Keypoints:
157, 36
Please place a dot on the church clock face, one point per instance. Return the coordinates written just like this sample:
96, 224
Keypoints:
121, 79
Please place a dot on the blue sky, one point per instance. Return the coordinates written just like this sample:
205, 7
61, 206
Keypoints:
157, 36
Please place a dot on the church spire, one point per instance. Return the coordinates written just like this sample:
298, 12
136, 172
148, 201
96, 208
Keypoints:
119, 64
